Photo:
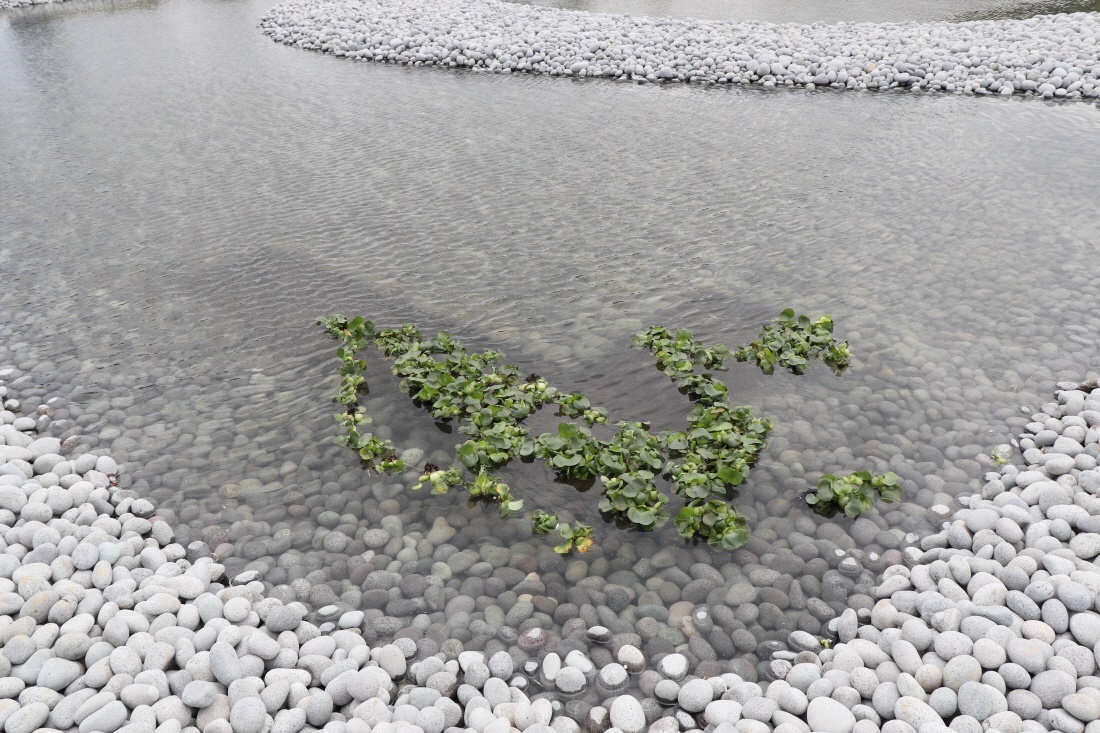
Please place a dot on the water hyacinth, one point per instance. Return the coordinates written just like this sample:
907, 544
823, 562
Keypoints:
703, 464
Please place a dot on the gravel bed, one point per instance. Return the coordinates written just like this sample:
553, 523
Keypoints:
109, 623
1052, 56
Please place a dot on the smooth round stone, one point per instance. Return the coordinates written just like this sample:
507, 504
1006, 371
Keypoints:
501, 665
1058, 464
578, 660
1051, 686
1028, 654
1085, 708
915, 712
960, 670
533, 639
431, 720
283, 618
570, 681
614, 678
599, 635
626, 714
443, 682
139, 694
57, 674
1085, 628
199, 694
392, 661
236, 610
826, 715
695, 695
248, 715
980, 701
27, 718
989, 653
351, 620
110, 717
1024, 703
666, 692
944, 701
328, 613
727, 712
632, 658
673, 666
803, 641
1074, 596
803, 675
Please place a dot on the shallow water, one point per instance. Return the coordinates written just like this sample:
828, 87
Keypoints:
182, 198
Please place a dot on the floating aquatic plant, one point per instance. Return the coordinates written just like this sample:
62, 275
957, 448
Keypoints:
703, 463
791, 342
853, 494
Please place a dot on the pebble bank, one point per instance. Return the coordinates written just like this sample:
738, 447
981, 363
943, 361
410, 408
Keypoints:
24, 3
108, 623
1052, 56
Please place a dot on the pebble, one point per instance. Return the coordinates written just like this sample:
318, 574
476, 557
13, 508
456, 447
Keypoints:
980, 701
627, 714
695, 695
825, 715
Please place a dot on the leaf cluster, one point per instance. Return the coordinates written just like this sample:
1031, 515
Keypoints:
486, 486
542, 523
791, 341
578, 537
354, 335
853, 494
719, 447
441, 480
703, 463
716, 520
577, 405
571, 451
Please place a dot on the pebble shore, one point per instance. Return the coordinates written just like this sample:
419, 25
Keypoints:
4, 4
1051, 56
108, 623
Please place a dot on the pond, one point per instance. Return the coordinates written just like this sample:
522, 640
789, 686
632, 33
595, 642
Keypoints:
182, 198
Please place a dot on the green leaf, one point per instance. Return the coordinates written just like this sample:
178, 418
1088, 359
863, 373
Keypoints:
567, 430
729, 475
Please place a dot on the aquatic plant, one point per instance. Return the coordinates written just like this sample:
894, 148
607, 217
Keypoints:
354, 335
439, 479
703, 464
486, 486
853, 494
577, 538
542, 523
791, 341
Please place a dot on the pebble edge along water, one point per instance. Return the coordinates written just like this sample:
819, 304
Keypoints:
1052, 56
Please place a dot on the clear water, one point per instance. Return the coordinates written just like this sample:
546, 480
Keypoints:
180, 198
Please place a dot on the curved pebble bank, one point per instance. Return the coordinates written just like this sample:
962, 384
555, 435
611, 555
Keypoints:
108, 624
1052, 56
5, 4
